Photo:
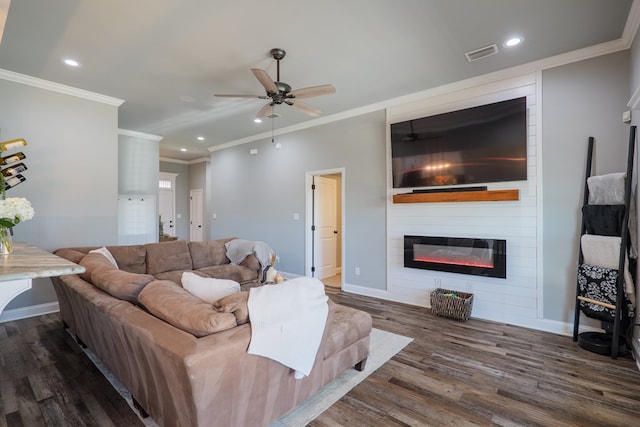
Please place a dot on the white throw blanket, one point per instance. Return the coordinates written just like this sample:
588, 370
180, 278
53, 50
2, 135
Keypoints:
287, 322
604, 251
238, 249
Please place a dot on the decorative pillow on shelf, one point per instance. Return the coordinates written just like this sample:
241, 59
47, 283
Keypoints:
208, 288
104, 251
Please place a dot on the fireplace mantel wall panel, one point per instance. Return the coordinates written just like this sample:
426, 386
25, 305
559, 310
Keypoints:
514, 299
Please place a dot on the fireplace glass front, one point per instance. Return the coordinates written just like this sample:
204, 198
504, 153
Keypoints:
480, 257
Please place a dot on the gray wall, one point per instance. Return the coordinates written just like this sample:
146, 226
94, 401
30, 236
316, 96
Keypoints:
579, 100
72, 180
181, 194
255, 197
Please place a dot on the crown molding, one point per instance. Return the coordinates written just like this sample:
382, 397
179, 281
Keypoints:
140, 135
632, 24
57, 87
185, 162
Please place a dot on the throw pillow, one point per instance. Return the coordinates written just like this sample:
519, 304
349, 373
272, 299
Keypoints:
104, 251
208, 288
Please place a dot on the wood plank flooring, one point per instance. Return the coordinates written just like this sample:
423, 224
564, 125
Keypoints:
452, 374
484, 373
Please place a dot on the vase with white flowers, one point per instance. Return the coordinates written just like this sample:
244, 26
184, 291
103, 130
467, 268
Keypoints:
13, 211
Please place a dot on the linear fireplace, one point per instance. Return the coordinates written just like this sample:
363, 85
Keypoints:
480, 257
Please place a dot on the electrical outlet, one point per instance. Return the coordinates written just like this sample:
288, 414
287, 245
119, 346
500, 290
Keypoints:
357, 271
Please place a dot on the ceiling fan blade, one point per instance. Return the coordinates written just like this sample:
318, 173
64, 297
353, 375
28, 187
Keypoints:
266, 110
240, 96
308, 92
265, 80
306, 108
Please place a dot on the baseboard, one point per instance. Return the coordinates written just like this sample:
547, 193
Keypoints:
552, 326
30, 311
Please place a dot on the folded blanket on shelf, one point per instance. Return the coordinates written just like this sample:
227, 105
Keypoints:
604, 251
287, 322
606, 189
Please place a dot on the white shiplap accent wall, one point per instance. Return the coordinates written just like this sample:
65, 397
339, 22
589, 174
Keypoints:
514, 299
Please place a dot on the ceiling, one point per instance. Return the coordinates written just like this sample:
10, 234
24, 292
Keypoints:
166, 58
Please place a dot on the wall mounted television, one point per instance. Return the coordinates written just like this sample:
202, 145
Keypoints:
475, 145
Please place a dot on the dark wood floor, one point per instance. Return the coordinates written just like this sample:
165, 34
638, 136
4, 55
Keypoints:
452, 374
484, 373
46, 380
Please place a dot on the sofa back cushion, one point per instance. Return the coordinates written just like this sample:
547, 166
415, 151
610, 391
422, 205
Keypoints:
176, 306
168, 256
208, 253
130, 258
95, 262
121, 284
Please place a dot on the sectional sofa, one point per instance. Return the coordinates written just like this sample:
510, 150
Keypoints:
184, 360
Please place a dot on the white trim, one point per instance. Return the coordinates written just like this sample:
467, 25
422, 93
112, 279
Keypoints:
539, 201
308, 261
631, 26
552, 326
185, 162
30, 311
140, 135
57, 87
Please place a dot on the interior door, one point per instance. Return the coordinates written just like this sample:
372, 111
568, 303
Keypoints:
166, 207
195, 213
325, 221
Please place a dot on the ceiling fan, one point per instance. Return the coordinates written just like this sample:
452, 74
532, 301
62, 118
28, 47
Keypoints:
280, 93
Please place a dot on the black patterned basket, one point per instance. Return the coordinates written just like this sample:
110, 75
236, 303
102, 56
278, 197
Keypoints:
452, 304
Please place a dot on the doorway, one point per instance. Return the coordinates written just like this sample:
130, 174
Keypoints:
196, 233
324, 243
167, 203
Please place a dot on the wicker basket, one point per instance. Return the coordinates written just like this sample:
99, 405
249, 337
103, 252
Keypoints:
452, 304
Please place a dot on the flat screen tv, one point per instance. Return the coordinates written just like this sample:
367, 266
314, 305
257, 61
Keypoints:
475, 145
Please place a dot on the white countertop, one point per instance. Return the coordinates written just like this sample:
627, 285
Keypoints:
30, 262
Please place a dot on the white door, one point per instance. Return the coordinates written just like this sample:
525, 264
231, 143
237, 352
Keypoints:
195, 214
166, 207
325, 221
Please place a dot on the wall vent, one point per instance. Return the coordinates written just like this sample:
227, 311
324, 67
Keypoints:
483, 52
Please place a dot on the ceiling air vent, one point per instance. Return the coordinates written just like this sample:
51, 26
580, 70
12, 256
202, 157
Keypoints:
272, 116
483, 52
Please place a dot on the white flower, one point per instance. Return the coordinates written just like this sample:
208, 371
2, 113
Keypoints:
15, 210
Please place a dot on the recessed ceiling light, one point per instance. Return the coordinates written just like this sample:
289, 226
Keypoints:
200, 138
183, 149
513, 41
257, 120
71, 62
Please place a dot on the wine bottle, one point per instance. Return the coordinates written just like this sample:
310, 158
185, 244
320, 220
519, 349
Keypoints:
11, 144
12, 158
14, 170
13, 181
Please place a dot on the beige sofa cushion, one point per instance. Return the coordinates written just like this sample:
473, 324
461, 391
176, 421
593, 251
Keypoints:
239, 273
173, 304
93, 262
121, 284
168, 256
236, 304
130, 258
211, 252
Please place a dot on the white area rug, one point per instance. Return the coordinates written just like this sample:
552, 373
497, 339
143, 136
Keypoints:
383, 346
